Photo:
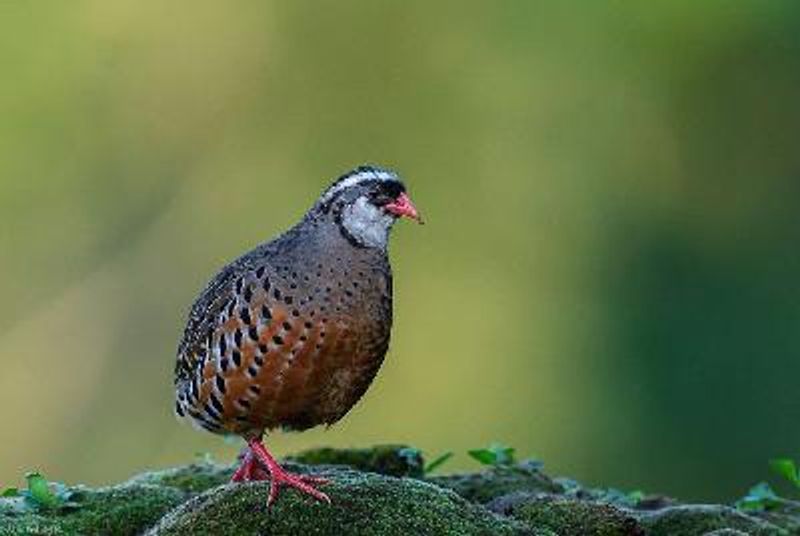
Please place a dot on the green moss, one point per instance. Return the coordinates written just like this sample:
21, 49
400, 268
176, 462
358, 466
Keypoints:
363, 503
567, 516
392, 460
698, 520
787, 517
487, 485
194, 478
121, 510
197, 499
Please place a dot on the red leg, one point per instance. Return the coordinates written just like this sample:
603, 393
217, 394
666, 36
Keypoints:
247, 468
251, 469
281, 477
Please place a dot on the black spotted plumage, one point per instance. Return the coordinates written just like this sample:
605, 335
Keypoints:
292, 333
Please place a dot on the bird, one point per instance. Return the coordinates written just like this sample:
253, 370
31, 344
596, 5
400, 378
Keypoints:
291, 334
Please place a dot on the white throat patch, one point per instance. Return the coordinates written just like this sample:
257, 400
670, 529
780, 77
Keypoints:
367, 223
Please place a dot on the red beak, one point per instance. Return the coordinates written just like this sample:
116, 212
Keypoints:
403, 207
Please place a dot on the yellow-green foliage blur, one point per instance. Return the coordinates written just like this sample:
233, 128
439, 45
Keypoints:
609, 278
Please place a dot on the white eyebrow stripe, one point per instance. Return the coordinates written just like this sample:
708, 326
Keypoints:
352, 180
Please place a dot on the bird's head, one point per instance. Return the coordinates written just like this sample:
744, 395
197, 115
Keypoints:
365, 203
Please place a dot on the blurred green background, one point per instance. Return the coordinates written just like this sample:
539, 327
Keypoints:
608, 280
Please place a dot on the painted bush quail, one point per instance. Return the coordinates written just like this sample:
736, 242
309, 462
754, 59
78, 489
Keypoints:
291, 334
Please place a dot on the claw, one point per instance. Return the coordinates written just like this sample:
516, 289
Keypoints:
252, 468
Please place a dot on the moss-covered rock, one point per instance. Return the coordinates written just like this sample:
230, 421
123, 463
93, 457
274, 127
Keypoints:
564, 515
498, 481
362, 503
127, 509
192, 478
392, 460
700, 519
787, 516
197, 499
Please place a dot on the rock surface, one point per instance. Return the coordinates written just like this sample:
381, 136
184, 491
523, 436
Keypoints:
383, 491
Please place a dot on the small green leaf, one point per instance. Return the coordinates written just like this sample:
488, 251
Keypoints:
483, 456
10, 492
786, 468
759, 498
496, 454
635, 497
39, 491
437, 462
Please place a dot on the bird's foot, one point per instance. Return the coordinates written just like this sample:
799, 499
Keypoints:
249, 469
252, 469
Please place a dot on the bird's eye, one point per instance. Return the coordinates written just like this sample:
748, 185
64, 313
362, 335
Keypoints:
386, 193
380, 198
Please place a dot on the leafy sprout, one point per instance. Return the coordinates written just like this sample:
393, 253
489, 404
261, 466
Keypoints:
10, 492
496, 455
42, 494
39, 491
437, 462
759, 498
787, 469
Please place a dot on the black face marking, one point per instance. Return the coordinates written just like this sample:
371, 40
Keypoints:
244, 314
255, 389
237, 358
244, 402
385, 192
253, 333
252, 371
